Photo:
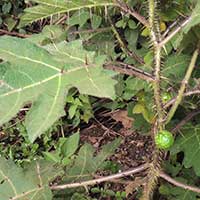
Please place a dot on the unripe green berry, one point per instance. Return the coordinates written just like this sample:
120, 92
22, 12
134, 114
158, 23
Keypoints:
164, 139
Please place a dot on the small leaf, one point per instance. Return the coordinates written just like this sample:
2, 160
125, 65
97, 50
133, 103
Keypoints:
52, 156
145, 32
79, 17
96, 21
120, 24
72, 110
69, 147
132, 24
6, 8
138, 108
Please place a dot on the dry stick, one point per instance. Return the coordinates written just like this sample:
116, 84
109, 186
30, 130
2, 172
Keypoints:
132, 12
179, 184
189, 93
130, 71
100, 180
183, 86
174, 32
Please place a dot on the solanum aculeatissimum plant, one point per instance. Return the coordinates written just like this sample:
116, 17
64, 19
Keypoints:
165, 58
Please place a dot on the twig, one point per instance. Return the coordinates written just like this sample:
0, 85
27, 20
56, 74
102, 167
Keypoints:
189, 93
132, 12
174, 32
185, 120
100, 180
129, 70
14, 33
179, 184
183, 86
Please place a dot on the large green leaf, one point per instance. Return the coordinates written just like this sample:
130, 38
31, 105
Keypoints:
189, 143
37, 76
30, 183
46, 8
87, 164
175, 66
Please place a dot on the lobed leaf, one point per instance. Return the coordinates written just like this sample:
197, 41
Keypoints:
87, 164
43, 78
31, 183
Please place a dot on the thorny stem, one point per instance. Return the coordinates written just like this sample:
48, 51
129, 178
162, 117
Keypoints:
121, 175
155, 37
183, 86
157, 95
153, 171
129, 70
174, 32
100, 180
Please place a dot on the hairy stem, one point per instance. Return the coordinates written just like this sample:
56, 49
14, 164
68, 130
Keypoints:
183, 86
152, 176
153, 172
155, 37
